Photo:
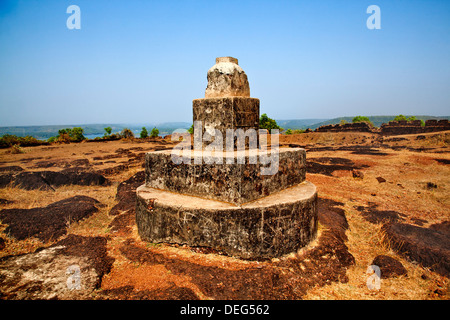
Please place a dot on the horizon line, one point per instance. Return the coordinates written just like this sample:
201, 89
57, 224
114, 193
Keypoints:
167, 122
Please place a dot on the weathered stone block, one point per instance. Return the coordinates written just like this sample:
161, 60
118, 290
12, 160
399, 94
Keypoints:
227, 79
235, 183
227, 113
269, 227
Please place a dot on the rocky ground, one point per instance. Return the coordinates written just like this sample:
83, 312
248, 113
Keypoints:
67, 214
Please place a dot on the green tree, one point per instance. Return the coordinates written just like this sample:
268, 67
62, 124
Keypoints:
267, 123
412, 118
191, 129
76, 134
360, 119
108, 131
154, 133
288, 131
400, 117
144, 133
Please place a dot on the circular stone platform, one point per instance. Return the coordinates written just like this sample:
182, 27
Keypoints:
268, 227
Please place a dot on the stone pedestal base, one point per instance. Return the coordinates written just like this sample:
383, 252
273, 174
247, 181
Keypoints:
268, 227
230, 182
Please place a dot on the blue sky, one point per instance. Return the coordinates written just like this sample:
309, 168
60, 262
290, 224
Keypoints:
145, 61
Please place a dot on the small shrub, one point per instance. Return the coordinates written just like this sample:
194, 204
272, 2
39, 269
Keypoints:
115, 136
127, 134
298, 131
63, 138
288, 131
8, 140
16, 149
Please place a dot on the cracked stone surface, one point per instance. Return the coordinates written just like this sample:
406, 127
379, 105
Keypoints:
70, 269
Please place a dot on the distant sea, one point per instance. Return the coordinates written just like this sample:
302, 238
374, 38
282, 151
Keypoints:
91, 131
92, 136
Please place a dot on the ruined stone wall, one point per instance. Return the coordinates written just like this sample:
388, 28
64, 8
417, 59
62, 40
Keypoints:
356, 127
391, 128
414, 127
436, 125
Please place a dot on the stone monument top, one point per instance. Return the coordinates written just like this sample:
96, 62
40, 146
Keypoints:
227, 79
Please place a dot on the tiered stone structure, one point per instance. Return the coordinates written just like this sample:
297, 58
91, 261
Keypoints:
228, 206
234, 183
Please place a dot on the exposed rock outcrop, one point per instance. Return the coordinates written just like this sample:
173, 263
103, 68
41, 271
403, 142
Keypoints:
389, 267
48, 180
70, 269
427, 246
125, 210
50, 222
327, 165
